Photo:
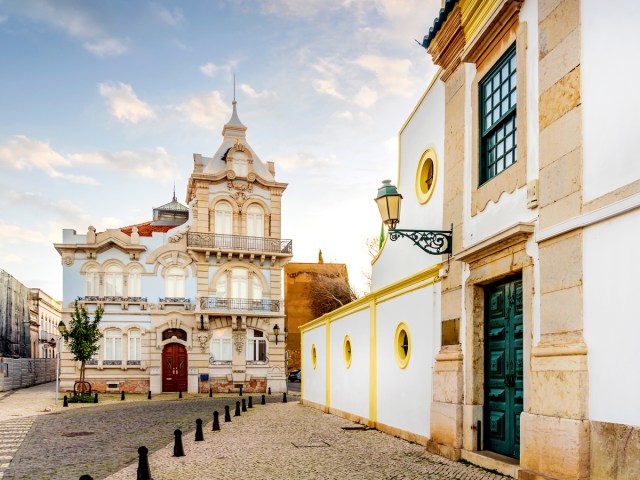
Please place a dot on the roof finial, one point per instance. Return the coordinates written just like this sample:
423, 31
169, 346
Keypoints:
174, 192
234, 87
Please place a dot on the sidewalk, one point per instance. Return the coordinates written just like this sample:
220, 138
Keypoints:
291, 441
27, 402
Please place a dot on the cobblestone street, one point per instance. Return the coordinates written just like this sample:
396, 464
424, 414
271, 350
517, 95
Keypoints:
284, 441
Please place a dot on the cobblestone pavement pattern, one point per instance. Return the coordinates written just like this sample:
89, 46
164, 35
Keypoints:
290, 441
101, 439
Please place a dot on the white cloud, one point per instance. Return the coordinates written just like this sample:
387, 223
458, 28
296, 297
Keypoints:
345, 115
327, 86
212, 70
392, 73
366, 97
74, 21
249, 91
105, 47
170, 17
301, 8
14, 233
206, 110
155, 163
22, 153
305, 161
11, 258
124, 103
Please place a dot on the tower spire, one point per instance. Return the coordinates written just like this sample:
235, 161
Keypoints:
234, 87
174, 192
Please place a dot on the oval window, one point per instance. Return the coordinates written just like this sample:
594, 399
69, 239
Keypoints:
314, 356
402, 345
426, 175
347, 351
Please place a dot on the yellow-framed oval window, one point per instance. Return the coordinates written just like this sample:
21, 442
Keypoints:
426, 175
347, 351
402, 345
314, 356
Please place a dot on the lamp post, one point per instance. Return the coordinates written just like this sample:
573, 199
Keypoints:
276, 331
62, 328
434, 242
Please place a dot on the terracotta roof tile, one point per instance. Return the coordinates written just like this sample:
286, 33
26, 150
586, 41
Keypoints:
146, 229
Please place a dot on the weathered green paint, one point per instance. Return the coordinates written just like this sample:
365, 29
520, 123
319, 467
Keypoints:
503, 368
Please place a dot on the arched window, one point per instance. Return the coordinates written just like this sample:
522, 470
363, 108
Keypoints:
256, 288
134, 345
240, 164
174, 282
255, 221
224, 219
113, 281
239, 283
113, 346
91, 282
134, 285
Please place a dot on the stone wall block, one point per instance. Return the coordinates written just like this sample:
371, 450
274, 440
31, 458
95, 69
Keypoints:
561, 311
561, 178
561, 210
560, 22
559, 61
559, 393
446, 424
448, 385
561, 137
560, 98
561, 262
555, 447
615, 451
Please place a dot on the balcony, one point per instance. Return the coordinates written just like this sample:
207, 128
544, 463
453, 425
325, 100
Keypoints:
215, 241
124, 302
261, 305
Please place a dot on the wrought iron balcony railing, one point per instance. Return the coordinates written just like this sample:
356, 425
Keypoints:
94, 298
239, 242
259, 305
174, 300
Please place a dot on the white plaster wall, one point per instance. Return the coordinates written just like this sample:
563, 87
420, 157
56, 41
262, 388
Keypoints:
511, 207
612, 318
404, 395
610, 95
350, 386
400, 259
314, 380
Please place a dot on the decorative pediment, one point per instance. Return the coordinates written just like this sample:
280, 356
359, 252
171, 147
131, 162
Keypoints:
101, 242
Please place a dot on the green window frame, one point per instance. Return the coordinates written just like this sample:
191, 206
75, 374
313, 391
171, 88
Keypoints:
498, 140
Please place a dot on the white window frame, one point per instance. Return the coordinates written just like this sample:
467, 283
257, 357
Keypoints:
114, 281
92, 282
174, 282
253, 348
255, 221
134, 282
223, 219
221, 349
135, 344
113, 345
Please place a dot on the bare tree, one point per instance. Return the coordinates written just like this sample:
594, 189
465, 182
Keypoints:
328, 292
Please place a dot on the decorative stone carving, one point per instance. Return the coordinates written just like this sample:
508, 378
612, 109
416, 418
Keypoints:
240, 186
238, 342
67, 260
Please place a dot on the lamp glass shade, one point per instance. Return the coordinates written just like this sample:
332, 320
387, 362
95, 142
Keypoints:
388, 201
62, 327
276, 329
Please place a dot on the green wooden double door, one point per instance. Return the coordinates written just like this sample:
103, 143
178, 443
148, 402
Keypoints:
503, 367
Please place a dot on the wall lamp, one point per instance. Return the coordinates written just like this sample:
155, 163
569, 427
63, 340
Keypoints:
276, 331
434, 242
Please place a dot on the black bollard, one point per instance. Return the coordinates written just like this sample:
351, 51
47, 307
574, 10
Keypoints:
199, 432
263, 402
240, 389
237, 414
86, 477
149, 395
250, 402
178, 449
216, 422
210, 392
180, 394
284, 397
244, 405
269, 390
95, 398
65, 402
144, 473
122, 395
227, 415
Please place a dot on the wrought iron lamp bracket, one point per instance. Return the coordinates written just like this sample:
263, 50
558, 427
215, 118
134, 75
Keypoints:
434, 242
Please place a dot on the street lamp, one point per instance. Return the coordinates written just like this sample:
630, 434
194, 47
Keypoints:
276, 331
434, 242
62, 328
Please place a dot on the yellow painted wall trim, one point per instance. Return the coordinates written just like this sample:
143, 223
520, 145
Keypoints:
302, 375
386, 238
373, 364
327, 352
474, 14
378, 296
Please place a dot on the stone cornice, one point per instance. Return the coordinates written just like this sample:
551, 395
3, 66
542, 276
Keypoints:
447, 46
518, 233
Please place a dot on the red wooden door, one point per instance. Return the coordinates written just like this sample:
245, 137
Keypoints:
174, 368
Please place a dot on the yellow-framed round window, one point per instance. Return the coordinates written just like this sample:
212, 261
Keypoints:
314, 356
426, 175
402, 345
347, 351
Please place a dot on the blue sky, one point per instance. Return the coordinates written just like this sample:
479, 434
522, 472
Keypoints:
103, 104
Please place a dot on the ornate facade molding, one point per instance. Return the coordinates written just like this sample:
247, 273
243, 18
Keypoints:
447, 46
